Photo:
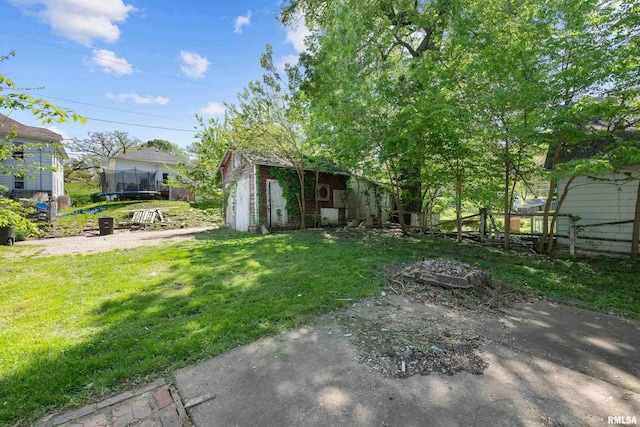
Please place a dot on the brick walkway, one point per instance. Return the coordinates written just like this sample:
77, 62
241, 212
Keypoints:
154, 405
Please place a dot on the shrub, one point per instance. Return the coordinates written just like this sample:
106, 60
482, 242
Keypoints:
13, 214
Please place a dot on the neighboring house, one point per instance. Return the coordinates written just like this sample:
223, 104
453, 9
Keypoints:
143, 173
254, 196
604, 206
39, 151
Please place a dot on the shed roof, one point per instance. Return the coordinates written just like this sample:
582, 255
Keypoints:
265, 158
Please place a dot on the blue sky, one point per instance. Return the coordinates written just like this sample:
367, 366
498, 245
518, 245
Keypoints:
160, 61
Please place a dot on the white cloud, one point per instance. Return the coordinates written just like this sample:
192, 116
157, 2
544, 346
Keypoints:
296, 34
109, 62
212, 109
242, 21
55, 129
124, 97
287, 59
193, 65
80, 20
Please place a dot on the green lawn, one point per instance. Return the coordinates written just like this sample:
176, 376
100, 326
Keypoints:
80, 328
175, 213
80, 192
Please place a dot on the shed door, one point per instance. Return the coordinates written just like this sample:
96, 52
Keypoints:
276, 204
243, 196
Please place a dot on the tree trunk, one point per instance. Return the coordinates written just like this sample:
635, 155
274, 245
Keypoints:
459, 206
302, 202
542, 243
554, 218
411, 190
635, 234
547, 206
315, 197
507, 185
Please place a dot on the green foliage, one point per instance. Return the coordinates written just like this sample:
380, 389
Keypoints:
200, 175
97, 198
290, 184
82, 192
14, 214
167, 146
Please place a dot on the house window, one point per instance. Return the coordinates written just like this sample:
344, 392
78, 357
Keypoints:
18, 155
18, 182
165, 178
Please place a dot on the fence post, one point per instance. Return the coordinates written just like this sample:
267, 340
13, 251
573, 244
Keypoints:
483, 224
573, 235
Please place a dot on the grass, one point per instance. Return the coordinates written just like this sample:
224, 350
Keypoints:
80, 328
80, 192
176, 214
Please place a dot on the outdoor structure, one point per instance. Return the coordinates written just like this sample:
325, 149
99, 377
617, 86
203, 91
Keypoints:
602, 208
255, 194
39, 154
143, 173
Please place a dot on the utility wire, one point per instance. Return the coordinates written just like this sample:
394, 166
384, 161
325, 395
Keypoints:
143, 126
110, 108
116, 62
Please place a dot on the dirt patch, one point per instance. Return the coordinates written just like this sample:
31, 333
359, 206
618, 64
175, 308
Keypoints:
419, 326
121, 239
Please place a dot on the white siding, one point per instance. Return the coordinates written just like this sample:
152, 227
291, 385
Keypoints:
605, 199
125, 165
36, 157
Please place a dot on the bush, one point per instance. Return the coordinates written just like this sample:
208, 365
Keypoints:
13, 214
97, 198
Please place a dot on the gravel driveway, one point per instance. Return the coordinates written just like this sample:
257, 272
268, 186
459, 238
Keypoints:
119, 240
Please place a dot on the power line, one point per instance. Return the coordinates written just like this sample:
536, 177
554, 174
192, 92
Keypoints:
143, 126
116, 62
111, 108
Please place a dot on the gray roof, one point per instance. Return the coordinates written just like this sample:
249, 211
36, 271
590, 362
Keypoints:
27, 132
31, 133
265, 158
150, 155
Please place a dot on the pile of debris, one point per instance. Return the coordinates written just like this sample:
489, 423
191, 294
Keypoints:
447, 274
452, 283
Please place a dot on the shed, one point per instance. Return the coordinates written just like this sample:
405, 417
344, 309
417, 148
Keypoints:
255, 194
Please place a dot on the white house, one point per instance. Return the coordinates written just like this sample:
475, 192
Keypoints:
604, 207
38, 154
143, 173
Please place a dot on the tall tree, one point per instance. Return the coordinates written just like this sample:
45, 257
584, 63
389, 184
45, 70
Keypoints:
166, 146
595, 88
101, 144
269, 117
370, 68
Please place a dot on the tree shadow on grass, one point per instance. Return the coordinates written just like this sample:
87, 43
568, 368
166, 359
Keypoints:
221, 291
226, 291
